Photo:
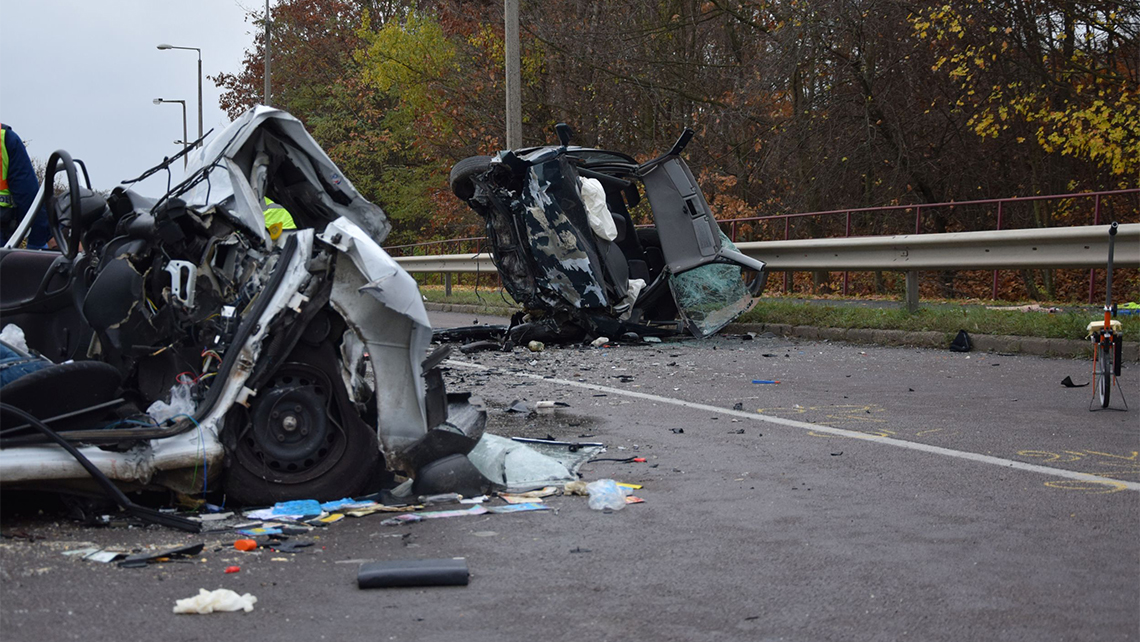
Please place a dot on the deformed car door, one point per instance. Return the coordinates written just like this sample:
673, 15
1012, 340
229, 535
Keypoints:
708, 296
35, 294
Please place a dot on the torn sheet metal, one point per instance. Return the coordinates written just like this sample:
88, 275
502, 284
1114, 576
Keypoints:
264, 128
519, 467
189, 289
370, 286
568, 264
561, 231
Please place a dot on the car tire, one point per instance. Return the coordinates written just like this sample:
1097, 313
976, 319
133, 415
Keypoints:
272, 461
462, 173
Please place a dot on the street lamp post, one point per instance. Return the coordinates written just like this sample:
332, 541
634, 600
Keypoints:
268, 56
164, 47
159, 101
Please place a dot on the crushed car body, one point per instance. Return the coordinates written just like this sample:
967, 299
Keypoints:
179, 343
558, 220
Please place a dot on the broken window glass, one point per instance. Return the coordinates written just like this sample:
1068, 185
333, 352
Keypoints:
710, 296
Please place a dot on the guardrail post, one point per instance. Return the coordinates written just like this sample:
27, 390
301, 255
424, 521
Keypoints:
993, 295
447, 283
847, 235
912, 291
787, 235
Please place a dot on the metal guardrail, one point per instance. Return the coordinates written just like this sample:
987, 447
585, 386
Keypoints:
1061, 247
1095, 207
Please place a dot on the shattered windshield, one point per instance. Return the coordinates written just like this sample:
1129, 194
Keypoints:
710, 296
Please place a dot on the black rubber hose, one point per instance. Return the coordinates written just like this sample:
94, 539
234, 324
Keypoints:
147, 514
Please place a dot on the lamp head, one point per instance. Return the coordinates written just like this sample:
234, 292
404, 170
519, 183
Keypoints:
157, 101
165, 46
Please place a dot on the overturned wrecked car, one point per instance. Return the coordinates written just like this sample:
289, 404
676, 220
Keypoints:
178, 343
558, 220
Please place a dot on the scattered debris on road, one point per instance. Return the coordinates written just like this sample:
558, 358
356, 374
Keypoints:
1068, 383
220, 600
961, 343
606, 494
142, 559
407, 573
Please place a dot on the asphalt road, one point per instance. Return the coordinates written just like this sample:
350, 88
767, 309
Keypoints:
873, 494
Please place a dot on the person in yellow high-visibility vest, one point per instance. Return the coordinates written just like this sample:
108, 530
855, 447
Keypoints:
277, 219
18, 187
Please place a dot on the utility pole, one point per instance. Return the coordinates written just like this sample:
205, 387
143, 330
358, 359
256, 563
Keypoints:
267, 55
514, 76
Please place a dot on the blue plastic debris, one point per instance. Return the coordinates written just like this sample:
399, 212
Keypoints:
300, 507
346, 504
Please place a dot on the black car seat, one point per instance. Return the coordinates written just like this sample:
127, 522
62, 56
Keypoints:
63, 389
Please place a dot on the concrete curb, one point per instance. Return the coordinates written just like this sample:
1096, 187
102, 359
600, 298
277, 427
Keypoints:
1070, 348
464, 308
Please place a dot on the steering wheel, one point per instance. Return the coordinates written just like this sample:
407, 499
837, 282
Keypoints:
64, 229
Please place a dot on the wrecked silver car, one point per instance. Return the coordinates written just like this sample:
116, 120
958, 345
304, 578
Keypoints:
563, 239
179, 343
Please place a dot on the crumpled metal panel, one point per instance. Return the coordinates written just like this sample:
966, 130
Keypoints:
569, 270
382, 304
508, 245
230, 162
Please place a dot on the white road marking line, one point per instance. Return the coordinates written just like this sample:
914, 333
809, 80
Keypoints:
803, 425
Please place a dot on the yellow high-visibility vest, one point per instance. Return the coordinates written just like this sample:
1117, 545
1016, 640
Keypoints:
277, 218
5, 193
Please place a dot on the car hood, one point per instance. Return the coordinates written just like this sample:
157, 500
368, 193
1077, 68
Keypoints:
229, 174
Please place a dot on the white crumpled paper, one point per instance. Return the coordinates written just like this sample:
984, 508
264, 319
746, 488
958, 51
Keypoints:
219, 600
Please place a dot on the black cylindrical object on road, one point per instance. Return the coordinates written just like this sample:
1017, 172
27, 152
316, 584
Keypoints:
399, 573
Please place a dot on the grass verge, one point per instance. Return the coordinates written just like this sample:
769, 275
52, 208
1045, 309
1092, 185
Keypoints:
944, 316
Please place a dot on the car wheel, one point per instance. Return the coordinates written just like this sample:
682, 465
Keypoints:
300, 440
1104, 376
462, 173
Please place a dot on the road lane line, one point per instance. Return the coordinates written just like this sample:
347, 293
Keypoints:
803, 425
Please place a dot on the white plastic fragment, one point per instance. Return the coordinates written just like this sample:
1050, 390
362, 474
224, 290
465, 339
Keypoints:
215, 601
181, 403
606, 494
600, 341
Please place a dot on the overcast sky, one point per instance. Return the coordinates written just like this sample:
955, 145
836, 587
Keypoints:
81, 75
